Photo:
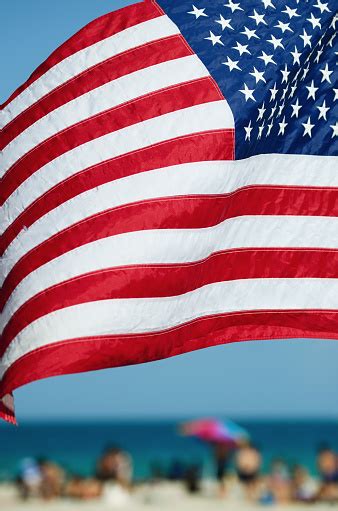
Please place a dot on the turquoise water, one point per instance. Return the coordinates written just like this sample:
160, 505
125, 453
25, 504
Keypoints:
77, 445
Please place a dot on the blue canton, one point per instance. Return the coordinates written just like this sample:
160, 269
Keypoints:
275, 63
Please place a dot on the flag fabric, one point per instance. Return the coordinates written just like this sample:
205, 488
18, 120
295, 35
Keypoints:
169, 182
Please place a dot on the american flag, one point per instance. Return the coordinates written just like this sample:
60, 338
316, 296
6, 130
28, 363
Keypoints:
170, 182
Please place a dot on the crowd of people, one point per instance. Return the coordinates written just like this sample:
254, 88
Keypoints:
240, 469
48, 480
282, 483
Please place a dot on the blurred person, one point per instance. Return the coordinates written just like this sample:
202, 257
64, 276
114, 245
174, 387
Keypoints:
327, 464
304, 488
73, 487
115, 465
52, 479
29, 479
193, 478
328, 469
222, 454
279, 481
248, 465
82, 488
176, 470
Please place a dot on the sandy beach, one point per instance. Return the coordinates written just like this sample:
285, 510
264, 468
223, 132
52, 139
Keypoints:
145, 497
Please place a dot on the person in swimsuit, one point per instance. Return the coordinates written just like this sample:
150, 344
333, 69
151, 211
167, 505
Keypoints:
248, 465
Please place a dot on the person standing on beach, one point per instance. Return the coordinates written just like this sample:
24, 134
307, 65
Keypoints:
248, 465
222, 453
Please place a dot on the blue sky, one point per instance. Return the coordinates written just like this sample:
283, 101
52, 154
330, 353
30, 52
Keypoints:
278, 378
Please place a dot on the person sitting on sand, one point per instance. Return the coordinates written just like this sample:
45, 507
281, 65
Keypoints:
114, 465
328, 469
248, 464
279, 481
82, 488
303, 486
52, 479
29, 479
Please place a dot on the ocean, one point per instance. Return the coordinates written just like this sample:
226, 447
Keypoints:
77, 445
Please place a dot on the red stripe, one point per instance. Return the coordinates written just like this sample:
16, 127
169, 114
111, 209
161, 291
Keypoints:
151, 281
144, 56
88, 354
96, 31
215, 145
7, 414
174, 213
146, 107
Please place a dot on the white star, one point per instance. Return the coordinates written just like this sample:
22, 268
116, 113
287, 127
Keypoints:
285, 73
326, 73
260, 131
295, 109
248, 129
232, 64
335, 94
334, 21
322, 7
234, 7
296, 54
249, 33
323, 111
315, 22
269, 129
306, 38
215, 39
285, 91
335, 129
273, 110
282, 126
312, 91
258, 75
307, 127
197, 12
261, 111
241, 48
248, 93
296, 76
267, 59
275, 42
268, 3
224, 23
292, 91
273, 92
330, 42
259, 18
291, 12
319, 53
321, 39
281, 108
305, 72
283, 27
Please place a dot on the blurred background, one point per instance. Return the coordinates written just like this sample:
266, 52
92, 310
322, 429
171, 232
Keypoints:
124, 437
247, 424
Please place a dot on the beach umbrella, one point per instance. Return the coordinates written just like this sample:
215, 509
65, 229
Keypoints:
215, 431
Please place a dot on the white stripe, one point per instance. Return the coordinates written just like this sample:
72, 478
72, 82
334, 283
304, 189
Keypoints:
176, 246
214, 177
78, 62
204, 117
124, 316
8, 401
102, 98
